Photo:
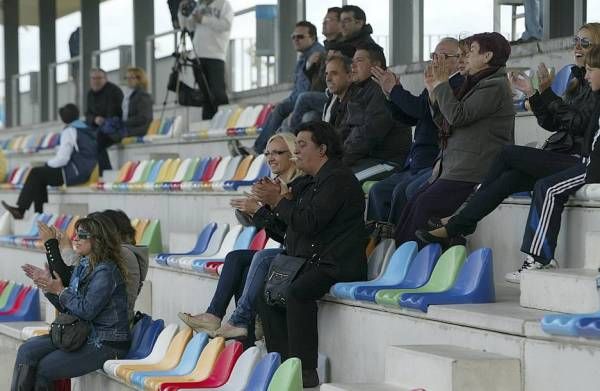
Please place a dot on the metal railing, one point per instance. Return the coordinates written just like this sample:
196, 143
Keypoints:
113, 58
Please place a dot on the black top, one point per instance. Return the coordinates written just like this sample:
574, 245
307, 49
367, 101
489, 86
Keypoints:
139, 115
325, 217
104, 103
592, 141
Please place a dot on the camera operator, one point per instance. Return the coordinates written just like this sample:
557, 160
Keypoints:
210, 23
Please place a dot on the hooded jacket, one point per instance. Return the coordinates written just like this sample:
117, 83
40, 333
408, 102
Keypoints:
77, 154
136, 261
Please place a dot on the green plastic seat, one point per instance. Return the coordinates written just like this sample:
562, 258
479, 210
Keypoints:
6, 293
442, 278
288, 376
366, 186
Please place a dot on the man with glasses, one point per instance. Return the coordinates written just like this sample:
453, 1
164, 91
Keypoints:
304, 39
388, 197
104, 99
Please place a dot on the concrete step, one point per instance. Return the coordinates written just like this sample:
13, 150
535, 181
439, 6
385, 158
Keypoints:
592, 251
362, 387
563, 290
67, 208
451, 368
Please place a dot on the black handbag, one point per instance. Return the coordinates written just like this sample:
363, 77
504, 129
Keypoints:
560, 142
68, 333
282, 272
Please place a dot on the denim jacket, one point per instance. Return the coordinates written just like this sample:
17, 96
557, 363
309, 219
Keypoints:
98, 296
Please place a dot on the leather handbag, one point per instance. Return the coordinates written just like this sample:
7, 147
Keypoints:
282, 272
68, 332
561, 142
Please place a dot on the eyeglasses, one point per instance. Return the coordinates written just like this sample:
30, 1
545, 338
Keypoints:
583, 42
298, 36
275, 153
82, 235
433, 55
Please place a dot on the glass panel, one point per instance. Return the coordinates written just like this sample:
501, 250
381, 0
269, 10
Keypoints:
593, 11
116, 28
316, 10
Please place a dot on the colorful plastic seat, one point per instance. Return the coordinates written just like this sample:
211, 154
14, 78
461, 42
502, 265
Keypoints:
228, 173
148, 339
158, 351
241, 372
378, 260
216, 240
442, 278
257, 169
241, 243
137, 333
219, 173
15, 301
589, 327
564, 324
227, 246
259, 241
184, 365
8, 300
220, 373
263, 372
394, 273
288, 376
6, 293
474, 284
25, 310
416, 276
199, 247
201, 367
562, 79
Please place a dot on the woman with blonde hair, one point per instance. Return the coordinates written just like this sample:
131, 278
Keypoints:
244, 271
137, 116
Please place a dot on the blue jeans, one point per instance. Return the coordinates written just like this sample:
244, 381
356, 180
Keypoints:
533, 19
307, 102
279, 113
52, 364
255, 280
390, 194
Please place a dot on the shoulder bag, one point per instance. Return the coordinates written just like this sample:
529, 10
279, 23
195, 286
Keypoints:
68, 333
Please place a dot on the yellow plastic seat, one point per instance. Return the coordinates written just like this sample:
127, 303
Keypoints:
203, 368
233, 119
169, 361
242, 169
162, 173
172, 171
154, 126
140, 228
123, 171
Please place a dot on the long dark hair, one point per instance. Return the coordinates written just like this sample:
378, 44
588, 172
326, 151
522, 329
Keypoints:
105, 240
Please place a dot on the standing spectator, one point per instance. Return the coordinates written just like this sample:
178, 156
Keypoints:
304, 39
211, 23
74, 52
73, 164
390, 194
137, 116
104, 99
534, 22
321, 226
369, 134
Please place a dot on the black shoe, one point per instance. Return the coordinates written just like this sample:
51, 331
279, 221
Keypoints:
427, 238
16, 213
434, 223
310, 378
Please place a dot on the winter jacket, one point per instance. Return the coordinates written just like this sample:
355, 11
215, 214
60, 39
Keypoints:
105, 103
348, 45
482, 122
139, 113
77, 153
136, 261
592, 137
367, 128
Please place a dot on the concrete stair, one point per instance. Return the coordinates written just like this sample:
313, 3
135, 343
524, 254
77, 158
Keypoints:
563, 290
443, 368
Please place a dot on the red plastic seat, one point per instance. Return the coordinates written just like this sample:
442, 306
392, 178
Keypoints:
259, 241
3, 285
210, 169
131, 171
262, 117
220, 373
212, 267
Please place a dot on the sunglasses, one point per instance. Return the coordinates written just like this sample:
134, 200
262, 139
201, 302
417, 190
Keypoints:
274, 153
82, 235
583, 42
298, 36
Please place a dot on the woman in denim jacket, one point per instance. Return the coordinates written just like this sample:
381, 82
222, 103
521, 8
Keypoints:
95, 293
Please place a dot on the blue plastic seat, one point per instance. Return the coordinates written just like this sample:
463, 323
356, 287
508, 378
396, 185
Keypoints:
394, 273
234, 185
137, 333
148, 339
263, 372
379, 258
186, 365
241, 243
197, 177
474, 284
200, 246
564, 324
589, 327
561, 80
417, 275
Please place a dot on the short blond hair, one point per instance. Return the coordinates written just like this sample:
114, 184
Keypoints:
140, 75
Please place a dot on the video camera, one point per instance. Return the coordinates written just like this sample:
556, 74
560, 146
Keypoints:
187, 8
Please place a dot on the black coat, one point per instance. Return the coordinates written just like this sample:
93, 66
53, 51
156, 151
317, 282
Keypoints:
139, 114
104, 103
592, 138
325, 217
348, 45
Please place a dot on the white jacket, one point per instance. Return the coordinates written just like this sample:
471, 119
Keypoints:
211, 36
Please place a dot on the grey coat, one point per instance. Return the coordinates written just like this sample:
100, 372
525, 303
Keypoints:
481, 124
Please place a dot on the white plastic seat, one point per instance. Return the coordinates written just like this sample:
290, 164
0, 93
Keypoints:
222, 168
182, 170
272, 243
185, 262
137, 174
217, 184
158, 351
31, 331
242, 370
226, 247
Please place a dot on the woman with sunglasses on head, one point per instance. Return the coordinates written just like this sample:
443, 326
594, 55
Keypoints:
137, 116
553, 172
95, 294
244, 271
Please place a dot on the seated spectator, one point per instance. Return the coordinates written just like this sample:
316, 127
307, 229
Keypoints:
95, 293
389, 195
246, 269
355, 30
553, 172
475, 124
137, 116
309, 105
369, 134
304, 39
322, 227
104, 99
592, 74
74, 162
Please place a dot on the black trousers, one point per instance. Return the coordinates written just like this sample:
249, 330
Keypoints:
292, 332
104, 142
214, 71
515, 169
35, 191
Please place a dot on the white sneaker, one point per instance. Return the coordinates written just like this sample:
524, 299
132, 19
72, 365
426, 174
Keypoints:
529, 264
